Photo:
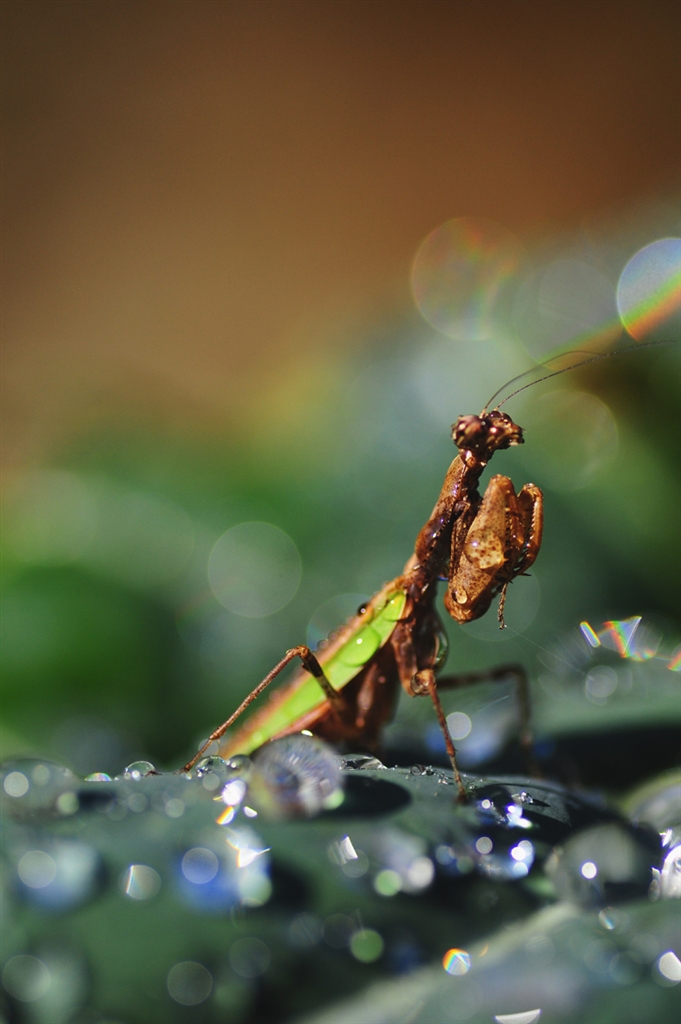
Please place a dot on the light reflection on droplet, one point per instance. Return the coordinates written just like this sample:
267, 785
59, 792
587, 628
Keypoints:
649, 290
459, 275
600, 684
420, 873
138, 769
526, 1017
62, 878
15, 784
670, 874
137, 802
456, 961
366, 945
26, 978
523, 851
669, 967
189, 983
459, 725
295, 775
140, 882
589, 869
234, 792
199, 865
249, 957
254, 569
174, 807
589, 425
37, 869
387, 882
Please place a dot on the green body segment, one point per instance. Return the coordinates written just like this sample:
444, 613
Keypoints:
340, 667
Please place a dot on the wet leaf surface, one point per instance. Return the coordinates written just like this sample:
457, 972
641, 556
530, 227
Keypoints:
150, 896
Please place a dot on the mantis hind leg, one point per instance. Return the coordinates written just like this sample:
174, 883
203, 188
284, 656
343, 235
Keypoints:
310, 664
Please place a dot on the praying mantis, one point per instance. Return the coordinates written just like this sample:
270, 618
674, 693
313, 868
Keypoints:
480, 544
346, 691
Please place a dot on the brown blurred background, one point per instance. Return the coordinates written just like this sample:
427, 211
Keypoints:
210, 216
202, 199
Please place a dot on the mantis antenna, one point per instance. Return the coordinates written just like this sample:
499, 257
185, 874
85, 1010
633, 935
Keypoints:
593, 358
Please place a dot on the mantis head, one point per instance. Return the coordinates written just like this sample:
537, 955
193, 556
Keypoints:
486, 433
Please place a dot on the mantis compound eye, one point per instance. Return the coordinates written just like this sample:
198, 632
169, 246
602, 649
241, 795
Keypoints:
469, 431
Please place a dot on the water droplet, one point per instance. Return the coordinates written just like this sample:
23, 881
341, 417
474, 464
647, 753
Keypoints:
459, 725
63, 874
199, 865
213, 771
355, 762
137, 802
26, 978
37, 869
366, 945
670, 874
648, 293
604, 864
31, 789
358, 651
15, 784
98, 777
217, 877
189, 983
234, 792
296, 775
388, 882
140, 882
138, 769
174, 807
456, 962
525, 1017
669, 967
67, 803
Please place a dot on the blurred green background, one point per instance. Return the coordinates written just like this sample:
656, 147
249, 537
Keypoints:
211, 215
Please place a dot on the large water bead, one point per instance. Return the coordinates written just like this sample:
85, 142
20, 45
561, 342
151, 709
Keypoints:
605, 864
296, 776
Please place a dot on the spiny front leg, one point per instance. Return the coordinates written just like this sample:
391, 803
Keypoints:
502, 541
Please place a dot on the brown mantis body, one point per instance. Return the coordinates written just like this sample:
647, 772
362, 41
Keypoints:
346, 692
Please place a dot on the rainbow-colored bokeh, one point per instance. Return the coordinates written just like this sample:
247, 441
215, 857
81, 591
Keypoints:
649, 289
456, 961
623, 636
